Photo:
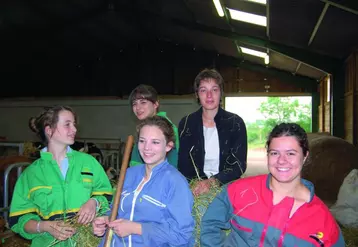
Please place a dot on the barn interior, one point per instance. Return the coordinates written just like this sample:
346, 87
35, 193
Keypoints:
90, 54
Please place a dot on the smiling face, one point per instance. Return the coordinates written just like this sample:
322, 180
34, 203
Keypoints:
285, 159
209, 94
144, 108
64, 132
152, 145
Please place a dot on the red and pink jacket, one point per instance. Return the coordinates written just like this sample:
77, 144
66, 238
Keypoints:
245, 207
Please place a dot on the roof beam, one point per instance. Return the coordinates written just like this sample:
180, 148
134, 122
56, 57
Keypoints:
309, 84
268, 19
322, 62
297, 68
341, 7
323, 13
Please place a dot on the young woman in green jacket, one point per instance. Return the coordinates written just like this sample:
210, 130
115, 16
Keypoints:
60, 184
145, 103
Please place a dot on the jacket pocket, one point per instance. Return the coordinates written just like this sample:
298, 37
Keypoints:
245, 231
154, 201
43, 199
240, 227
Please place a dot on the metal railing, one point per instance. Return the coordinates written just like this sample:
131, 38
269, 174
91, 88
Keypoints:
20, 165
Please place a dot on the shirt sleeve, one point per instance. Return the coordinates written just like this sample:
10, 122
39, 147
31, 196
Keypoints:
22, 209
177, 228
102, 190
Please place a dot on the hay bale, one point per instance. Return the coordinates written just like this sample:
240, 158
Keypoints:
330, 161
201, 203
350, 236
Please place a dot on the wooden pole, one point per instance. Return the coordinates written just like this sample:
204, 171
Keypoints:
117, 197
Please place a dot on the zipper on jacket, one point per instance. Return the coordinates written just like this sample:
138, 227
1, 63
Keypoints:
136, 193
263, 234
283, 233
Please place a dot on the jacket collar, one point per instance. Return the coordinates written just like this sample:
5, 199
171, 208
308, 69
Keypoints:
48, 156
305, 182
217, 118
162, 114
157, 168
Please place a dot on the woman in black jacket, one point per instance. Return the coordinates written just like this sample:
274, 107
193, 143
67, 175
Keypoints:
213, 142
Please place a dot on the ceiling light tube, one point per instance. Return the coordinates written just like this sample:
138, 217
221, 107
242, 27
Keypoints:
258, 1
219, 8
267, 59
253, 52
248, 17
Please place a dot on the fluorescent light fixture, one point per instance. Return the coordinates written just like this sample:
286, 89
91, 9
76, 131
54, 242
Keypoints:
248, 17
267, 59
219, 8
258, 1
253, 52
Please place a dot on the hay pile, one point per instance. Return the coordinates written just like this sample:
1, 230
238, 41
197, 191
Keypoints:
201, 203
84, 233
83, 237
350, 236
330, 160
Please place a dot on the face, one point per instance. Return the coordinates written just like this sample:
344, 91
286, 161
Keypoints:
65, 131
285, 159
209, 94
152, 145
143, 108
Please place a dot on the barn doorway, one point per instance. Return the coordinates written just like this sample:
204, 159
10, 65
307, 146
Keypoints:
260, 115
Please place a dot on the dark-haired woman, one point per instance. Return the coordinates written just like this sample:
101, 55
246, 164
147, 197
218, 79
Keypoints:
278, 209
145, 103
213, 142
60, 184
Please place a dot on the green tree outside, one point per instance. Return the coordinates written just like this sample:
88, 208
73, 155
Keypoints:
277, 110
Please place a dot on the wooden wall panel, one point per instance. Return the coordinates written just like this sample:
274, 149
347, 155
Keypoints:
327, 117
320, 119
324, 108
241, 81
350, 99
348, 117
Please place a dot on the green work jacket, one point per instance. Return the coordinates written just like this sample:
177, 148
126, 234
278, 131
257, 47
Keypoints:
42, 193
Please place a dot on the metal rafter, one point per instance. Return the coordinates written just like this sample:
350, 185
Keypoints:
323, 13
297, 68
353, 11
268, 19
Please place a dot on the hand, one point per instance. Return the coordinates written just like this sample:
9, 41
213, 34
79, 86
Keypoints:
58, 229
123, 227
87, 212
203, 186
100, 225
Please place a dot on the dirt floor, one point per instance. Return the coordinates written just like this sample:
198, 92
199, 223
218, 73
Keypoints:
256, 162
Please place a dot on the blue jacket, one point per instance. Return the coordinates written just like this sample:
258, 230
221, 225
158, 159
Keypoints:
163, 206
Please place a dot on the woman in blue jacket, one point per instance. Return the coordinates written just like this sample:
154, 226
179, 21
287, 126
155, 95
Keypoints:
156, 202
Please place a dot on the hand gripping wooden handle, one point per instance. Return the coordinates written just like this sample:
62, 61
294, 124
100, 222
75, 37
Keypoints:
117, 197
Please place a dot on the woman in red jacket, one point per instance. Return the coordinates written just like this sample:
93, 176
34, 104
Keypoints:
278, 209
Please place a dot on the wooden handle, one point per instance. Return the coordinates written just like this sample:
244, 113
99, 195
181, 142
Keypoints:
117, 197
